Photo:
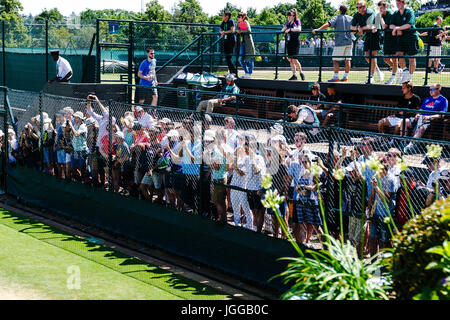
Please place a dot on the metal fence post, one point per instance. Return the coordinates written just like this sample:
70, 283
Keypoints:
4, 53
276, 56
46, 50
201, 54
110, 147
98, 52
5, 158
426, 64
320, 57
370, 66
130, 59
41, 129
201, 206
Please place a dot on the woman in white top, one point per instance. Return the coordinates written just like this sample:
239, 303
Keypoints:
238, 199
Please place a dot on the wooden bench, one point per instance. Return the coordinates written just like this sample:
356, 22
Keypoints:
252, 107
367, 118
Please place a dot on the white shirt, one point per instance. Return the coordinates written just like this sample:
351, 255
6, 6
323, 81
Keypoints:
253, 181
63, 68
102, 124
146, 121
432, 178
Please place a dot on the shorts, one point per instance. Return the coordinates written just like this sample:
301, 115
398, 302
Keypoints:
354, 229
47, 155
156, 179
390, 46
68, 157
309, 212
435, 51
341, 51
409, 46
372, 42
394, 121
254, 200
143, 93
61, 156
78, 160
218, 193
380, 230
292, 50
173, 181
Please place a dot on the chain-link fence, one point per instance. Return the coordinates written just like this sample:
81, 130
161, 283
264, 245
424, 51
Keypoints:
212, 164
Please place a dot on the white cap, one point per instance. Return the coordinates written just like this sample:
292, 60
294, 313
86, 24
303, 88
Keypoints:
138, 109
278, 137
173, 133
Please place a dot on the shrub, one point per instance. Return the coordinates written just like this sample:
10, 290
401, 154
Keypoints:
410, 258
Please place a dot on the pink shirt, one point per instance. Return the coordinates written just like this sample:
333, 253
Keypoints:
243, 25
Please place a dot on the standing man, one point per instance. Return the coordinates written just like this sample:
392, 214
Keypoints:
229, 39
384, 19
147, 74
343, 43
63, 68
364, 23
435, 42
403, 27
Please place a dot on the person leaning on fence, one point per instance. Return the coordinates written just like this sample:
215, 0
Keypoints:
409, 100
63, 69
292, 30
435, 39
303, 114
364, 23
229, 40
403, 28
227, 95
421, 122
121, 161
147, 76
383, 21
247, 48
343, 44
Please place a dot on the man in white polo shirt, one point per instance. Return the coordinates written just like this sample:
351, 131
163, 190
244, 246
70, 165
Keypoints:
63, 68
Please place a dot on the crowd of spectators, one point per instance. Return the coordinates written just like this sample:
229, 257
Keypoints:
162, 159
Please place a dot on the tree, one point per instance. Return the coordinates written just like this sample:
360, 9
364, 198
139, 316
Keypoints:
16, 34
154, 11
189, 11
53, 16
314, 16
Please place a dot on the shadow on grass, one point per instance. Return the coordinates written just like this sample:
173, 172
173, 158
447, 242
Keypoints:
92, 249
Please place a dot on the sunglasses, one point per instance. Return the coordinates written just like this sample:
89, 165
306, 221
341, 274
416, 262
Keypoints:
381, 5
359, 7
433, 89
150, 52
299, 140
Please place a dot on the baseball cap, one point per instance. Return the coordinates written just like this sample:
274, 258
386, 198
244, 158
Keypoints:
119, 134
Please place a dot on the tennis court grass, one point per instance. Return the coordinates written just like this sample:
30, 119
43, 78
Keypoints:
355, 76
56, 265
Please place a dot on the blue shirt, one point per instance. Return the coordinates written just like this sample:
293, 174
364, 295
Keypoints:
147, 67
432, 104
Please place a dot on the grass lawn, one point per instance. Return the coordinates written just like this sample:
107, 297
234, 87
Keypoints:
40, 262
312, 76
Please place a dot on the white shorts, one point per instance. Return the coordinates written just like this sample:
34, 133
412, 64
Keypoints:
342, 51
394, 121
435, 51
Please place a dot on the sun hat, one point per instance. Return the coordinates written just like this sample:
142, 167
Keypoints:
90, 121
78, 114
127, 121
277, 128
230, 77
138, 109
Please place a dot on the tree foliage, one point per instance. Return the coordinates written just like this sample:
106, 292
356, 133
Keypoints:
314, 16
